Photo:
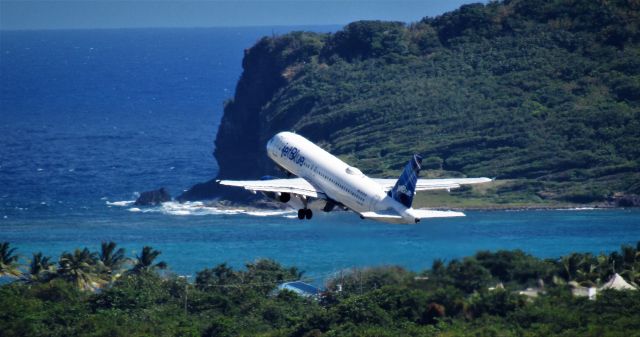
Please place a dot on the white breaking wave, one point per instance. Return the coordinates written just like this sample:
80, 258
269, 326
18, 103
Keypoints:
122, 203
270, 213
199, 208
578, 209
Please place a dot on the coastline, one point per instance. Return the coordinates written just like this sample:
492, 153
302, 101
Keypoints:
265, 205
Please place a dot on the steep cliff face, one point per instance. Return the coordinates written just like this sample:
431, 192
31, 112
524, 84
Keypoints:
240, 144
545, 93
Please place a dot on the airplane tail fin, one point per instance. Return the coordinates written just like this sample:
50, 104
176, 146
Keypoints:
405, 187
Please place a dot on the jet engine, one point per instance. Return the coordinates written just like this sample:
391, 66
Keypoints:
282, 197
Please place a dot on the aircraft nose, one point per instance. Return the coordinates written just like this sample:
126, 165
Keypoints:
271, 142
272, 145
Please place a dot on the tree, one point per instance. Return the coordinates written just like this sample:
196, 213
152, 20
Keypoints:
498, 302
569, 266
145, 261
40, 268
588, 272
631, 262
80, 269
8, 261
364, 39
469, 275
438, 267
604, 267
111, 259
267, 273
629, 256
220, 275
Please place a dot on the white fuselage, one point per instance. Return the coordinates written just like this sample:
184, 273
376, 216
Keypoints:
340, 182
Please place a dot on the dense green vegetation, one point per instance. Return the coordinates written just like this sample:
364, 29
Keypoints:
544, 94
106, 294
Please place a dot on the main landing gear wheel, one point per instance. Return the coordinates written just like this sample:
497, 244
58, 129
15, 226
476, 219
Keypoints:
305, 213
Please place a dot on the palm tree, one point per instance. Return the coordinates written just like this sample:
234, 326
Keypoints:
8, 261
569, 266
40, 268
628, 256
111, 259
220, 275
438, 267
605, 267
80, 269
616, 261
588, 272
631, 263
144, 262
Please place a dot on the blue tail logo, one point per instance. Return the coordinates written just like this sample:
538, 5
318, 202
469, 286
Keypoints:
405, 187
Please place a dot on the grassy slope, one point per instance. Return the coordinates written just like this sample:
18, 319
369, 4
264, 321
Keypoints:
545, 95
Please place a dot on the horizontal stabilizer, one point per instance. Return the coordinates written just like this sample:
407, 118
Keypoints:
393, 217
427, 213
384, 217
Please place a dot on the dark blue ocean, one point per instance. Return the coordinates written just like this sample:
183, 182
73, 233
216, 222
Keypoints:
88, 119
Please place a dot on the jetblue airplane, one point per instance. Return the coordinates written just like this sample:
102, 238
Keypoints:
325, 182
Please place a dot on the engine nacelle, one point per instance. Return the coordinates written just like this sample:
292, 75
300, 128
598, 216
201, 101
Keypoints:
329, 206
284, 197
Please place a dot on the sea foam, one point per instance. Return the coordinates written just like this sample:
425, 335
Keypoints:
199, 208
122, 203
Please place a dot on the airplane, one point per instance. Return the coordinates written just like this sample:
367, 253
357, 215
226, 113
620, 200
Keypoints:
325, 182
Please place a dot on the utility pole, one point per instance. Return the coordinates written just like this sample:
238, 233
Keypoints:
186, 284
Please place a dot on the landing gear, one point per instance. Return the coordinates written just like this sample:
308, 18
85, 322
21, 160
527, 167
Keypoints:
305, 213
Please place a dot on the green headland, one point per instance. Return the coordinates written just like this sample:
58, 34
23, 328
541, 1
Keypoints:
544, 96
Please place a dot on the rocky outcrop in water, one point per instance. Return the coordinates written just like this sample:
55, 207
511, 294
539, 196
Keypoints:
152, 198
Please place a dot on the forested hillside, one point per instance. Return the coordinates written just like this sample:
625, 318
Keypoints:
107, 294
544, 95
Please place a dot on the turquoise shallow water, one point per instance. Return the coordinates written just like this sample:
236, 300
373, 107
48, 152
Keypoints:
329, 242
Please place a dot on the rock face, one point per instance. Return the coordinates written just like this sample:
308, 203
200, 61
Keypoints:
152, 198
243, 133
625, 200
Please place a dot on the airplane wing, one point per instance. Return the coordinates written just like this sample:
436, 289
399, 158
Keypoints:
434, 184
296, 186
